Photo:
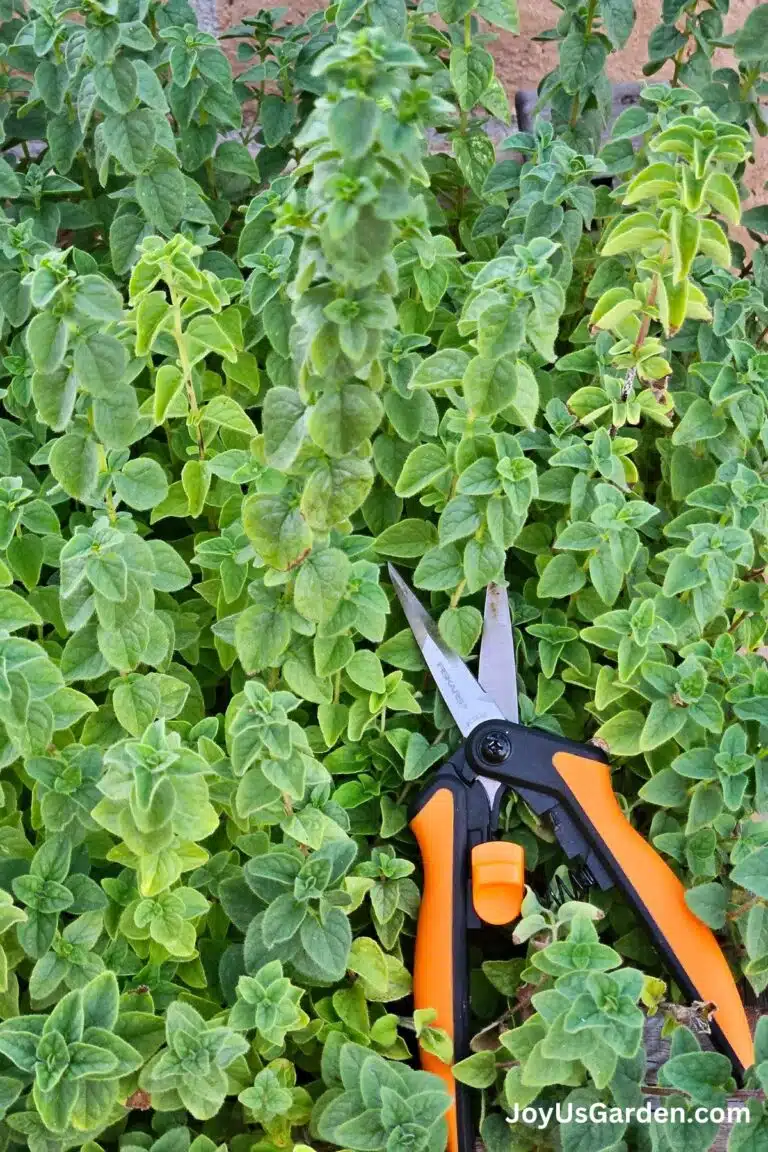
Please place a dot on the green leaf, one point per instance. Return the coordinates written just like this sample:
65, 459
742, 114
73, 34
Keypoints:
578, 1137
343, 419
225, 412
408, 538
723, 195
752, 872
123, 645
141, 483
706, 806
425, 465
471, 72
352, 125
153, 315
100, 362
761, 1041
501, 13
605, 574
10, 185
283, 918
525, 402
703, 1075
16, 612
420, 756
81, 658
136, 704
756, 218
561, 577
389, 15
261, 637
478, 1070
709, 902
97, 299
116, 83
328, 943
277, 530
196, 482
439, 569
160, 192
504, 975
700, 422
749, 44
490, 385
115, 416
460, 628
618, 18
665, 788
320, 583
432, 284
207, 334
334, 490
475, 155
454, 10
284, 426
65, 138
622, 733
276, 117
169, 572
685, 234
74, 464
663, 722
107, 573
445, 369
125, 233
580, 536
213, 712
365, 670
483, 564
367, 959
130, 138
169, 383
581, 60
46, 339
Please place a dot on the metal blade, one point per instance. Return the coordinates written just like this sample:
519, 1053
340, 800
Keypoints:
497, 672
467, 702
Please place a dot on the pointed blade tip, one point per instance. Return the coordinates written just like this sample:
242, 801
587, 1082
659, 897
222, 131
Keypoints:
466, 700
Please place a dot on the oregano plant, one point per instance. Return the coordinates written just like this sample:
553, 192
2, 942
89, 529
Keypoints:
275, 312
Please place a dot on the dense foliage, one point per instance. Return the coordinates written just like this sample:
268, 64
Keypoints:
261, 335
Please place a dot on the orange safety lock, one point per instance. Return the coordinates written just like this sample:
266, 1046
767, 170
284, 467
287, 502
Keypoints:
498, 880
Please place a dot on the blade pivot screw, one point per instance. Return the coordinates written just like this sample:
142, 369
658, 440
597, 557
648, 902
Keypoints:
495, 748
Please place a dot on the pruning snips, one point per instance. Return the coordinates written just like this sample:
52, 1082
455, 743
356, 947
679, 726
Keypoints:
471, 878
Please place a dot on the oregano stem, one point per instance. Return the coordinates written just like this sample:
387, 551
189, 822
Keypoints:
186, 372
458, 593
108, 500
646, 321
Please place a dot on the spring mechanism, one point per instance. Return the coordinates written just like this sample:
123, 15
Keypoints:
566, 884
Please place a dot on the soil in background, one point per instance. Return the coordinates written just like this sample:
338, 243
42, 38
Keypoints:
521, 63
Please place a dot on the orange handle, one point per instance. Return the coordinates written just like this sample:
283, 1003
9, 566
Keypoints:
439, 966
690, 949
469, 878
